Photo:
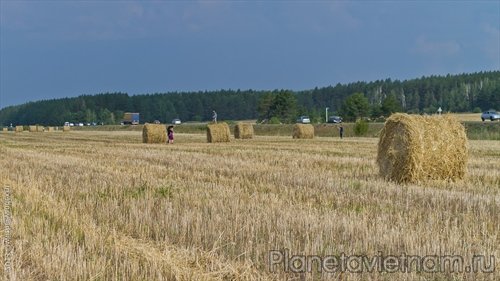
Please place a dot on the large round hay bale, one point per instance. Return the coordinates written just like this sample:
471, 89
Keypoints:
218, 132
19, 129
154, 133
414, 148
50, 129
66, 128
40, 128
243, 131
32, 129
303, 131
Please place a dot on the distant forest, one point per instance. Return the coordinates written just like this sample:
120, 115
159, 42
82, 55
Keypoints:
454, 93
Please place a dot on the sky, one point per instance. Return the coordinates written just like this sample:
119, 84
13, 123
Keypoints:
55, 49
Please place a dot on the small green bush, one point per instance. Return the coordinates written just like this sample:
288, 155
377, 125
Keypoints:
274, 120
360, 128
476, 110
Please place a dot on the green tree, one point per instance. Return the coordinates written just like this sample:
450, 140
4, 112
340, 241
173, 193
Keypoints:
264, 105
355, 106
284, 106
390, 105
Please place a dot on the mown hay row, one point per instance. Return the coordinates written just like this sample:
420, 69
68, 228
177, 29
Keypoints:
303, 131
243, 131
154, 133
414, 148
218, 132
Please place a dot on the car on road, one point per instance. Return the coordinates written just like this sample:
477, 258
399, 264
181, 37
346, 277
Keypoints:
334, 119
491, 115
304, 120
176, 121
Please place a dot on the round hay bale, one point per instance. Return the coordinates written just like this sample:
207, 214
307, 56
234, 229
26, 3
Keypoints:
19, 129
243, 131
32, 129
50, 129
218, 132
66, 128
40, 128
303, 131
414, 148
154, 133
5, 129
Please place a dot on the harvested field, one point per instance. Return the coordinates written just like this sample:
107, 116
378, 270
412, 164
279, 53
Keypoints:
203, 211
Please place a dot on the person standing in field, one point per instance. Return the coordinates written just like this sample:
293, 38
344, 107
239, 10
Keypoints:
214, 117
341, 131
170, 134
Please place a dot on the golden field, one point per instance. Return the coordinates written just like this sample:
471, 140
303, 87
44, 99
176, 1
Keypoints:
104, 206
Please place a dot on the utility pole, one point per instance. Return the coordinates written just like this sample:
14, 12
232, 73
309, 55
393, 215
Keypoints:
326, 114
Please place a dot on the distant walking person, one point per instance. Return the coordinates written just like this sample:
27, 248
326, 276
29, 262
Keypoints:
170, 134
341, 131
214, 117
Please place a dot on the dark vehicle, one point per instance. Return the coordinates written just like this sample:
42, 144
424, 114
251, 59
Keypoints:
492, 115
334, 119
130, 118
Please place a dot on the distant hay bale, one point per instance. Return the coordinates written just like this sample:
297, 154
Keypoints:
414, 148
243, 131
5, 129
19, 129
32, 129
303, 131
218, 132
154, 133
40, 128
66, 128
50, 129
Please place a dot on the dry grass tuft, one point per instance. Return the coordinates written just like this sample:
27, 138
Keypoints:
154, 133
218, 132
303, 131
413, 148
243, 131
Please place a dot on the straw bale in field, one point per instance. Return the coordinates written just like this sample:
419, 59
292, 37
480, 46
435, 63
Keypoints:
32, 129
40, 128
50, 129
414, 148
66, 128
218, 132
5, 129
303, 131
154, 133
19, 129
243, 131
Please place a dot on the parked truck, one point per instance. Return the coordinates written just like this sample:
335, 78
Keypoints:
130, 118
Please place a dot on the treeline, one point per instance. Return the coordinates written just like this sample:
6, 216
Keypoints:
455, 93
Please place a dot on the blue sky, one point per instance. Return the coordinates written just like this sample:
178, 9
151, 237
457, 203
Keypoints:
53, 49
